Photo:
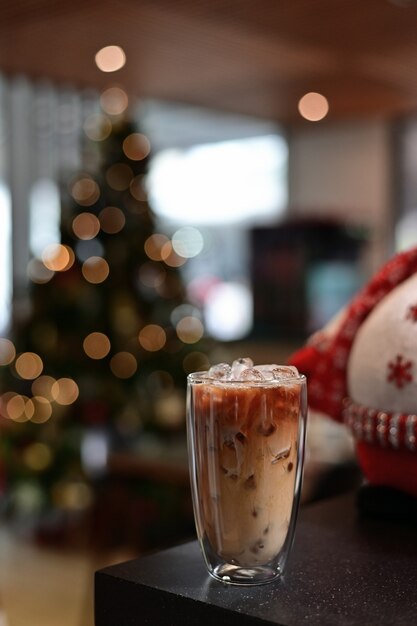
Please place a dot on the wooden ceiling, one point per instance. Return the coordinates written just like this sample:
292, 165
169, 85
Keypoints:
246, 56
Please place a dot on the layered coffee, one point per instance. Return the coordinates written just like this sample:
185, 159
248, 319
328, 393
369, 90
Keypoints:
246, 422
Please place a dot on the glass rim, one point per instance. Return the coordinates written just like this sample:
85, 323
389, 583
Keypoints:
202, 377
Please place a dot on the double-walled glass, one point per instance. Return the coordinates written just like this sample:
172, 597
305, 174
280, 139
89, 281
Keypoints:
246, 453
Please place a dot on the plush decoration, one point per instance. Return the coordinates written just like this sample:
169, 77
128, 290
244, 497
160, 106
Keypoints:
362, 369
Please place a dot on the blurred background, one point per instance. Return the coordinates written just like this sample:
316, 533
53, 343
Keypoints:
181, 184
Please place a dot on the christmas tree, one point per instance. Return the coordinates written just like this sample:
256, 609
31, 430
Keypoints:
109, 339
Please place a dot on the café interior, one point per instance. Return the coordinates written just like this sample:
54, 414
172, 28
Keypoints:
280, 145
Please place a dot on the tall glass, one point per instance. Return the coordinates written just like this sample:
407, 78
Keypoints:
246, 453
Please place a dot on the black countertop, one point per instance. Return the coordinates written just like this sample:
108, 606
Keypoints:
343, 571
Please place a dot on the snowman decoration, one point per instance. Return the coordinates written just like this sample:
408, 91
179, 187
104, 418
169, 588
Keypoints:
362, 369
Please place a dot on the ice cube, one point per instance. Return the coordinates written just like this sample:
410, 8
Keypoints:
285, 371
251, 374
221, 371
267, 371
239, 365
282, 454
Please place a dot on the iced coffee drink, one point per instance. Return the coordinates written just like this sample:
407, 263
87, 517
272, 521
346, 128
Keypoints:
246, 441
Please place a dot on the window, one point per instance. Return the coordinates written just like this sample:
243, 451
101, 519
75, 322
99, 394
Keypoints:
240, 181
210, 195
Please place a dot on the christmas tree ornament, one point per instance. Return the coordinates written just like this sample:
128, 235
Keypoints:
362, 369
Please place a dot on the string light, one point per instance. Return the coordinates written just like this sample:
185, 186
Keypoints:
96, 345
7, 351
19, 408
188, 242
153, 246
72, 495
95, 270
136, 146
4, 399
42, 386
65, 391
29, 365
42, 410
85, 226
114, 101
189, 329
137, 188
57, 257
123, 364
37, 456
152, 337
313, 106
97, 127
85, 191
112, 220
110, 58
170, 257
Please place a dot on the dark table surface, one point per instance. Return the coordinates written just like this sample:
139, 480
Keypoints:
343, 571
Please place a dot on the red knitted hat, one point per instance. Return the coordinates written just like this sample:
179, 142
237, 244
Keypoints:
362, 369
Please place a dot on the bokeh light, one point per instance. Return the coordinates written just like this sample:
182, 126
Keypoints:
7, 351
136, 146
97, 127
72, 495
189, 329
96, 345
123, 364
153, 246
42, 386
37, 456
114, 101
137, 188
42, 410
170, 409
313, 106
18, 407
152, 337
29, 365
4, 399
85, 226
110, 58
38, 272
57, 257
188, 242
119, 176
95, 269
112, 220
85, 191
170, 257
65, 391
